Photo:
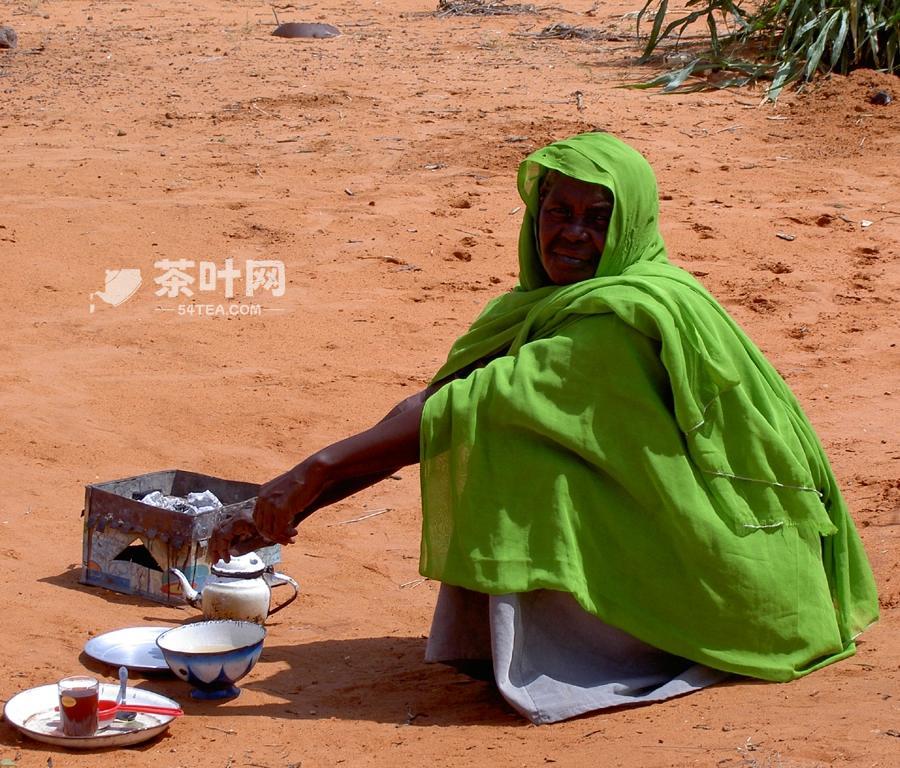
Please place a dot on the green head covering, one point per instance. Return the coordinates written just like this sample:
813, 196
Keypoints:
596, 158
633, 240
627, 443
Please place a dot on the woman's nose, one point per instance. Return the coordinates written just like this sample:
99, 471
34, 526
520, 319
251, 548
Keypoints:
575, 231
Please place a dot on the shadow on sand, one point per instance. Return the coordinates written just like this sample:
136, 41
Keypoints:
378, 679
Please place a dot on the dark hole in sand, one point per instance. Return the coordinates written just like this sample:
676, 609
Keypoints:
303, 29
138, 554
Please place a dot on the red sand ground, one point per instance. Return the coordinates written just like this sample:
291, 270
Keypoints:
379, 168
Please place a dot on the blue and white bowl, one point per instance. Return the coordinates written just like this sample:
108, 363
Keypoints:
213, 655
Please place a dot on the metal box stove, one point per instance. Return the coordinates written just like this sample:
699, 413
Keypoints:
129, 546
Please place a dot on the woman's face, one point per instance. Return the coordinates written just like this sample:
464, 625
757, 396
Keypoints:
572, 224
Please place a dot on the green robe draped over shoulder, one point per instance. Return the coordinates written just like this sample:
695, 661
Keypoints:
628, 444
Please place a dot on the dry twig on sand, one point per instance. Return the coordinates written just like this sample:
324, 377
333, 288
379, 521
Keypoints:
480, 8
562, 31
364, 517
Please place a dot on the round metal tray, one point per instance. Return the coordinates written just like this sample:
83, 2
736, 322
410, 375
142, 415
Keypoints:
132, 647
34, 713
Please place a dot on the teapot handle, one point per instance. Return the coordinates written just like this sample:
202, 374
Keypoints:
276, 579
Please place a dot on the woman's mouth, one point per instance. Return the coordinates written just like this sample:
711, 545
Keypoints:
572, 259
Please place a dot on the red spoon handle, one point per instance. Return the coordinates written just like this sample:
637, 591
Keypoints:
150, 709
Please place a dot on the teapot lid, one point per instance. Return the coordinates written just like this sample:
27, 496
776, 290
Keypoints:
247, 566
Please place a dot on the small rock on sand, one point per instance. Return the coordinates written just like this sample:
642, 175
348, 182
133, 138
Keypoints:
8, 37
302, 29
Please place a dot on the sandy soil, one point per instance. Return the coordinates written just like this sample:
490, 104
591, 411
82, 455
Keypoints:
379, 166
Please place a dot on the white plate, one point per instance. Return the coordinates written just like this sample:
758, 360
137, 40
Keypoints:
34, 713
132, 647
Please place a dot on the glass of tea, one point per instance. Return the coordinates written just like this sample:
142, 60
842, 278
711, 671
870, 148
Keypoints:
78, 698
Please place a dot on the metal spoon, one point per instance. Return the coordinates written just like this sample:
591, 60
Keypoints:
123, 685
120, 696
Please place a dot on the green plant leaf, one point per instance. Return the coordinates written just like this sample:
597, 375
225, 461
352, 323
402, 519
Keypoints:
781, 77
814, 54
786, 40
854, 28
678, 77
713, 33
657, 26
837, 48
871, 33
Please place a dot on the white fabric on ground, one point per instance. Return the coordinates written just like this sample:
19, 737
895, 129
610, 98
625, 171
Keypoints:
551, 659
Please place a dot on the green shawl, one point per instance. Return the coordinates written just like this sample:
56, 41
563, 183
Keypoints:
628, 444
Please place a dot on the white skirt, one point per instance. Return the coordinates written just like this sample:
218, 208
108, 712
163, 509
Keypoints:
551, 659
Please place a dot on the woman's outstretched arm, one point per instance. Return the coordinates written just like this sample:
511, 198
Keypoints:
338, 471
329, 475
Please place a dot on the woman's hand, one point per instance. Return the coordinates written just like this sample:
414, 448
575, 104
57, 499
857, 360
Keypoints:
279, 505
282, 501
235, 534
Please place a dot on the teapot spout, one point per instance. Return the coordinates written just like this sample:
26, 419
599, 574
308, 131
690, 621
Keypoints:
190, 594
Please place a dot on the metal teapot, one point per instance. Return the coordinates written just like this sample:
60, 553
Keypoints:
239, 589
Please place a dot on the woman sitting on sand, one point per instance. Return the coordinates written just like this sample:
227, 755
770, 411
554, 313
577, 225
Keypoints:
622, 499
